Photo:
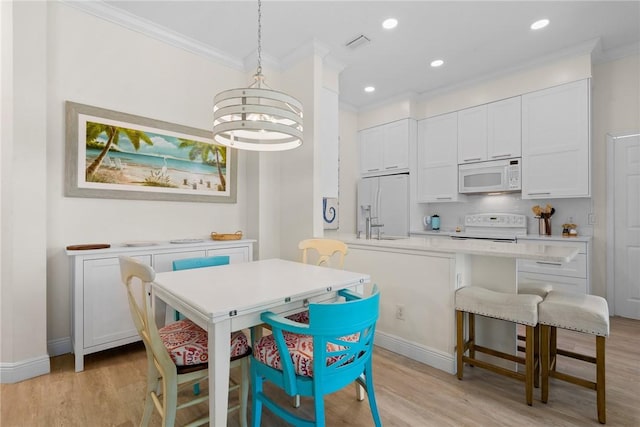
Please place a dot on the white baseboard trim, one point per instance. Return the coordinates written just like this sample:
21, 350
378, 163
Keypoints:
19, 371
59, 346
421, 353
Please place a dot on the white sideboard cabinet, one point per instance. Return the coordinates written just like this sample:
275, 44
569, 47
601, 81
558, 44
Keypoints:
101, 319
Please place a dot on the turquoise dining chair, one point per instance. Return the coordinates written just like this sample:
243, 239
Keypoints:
330, 352
200, 262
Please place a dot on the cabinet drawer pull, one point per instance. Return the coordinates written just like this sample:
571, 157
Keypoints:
391, 167
443, 198
501, 155
472, 159
549, 263
539, 194
372, 170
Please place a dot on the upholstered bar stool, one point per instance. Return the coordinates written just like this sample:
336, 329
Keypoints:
520, 309
530, 288
588, 314
541, 289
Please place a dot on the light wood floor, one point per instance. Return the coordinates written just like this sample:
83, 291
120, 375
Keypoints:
110, 392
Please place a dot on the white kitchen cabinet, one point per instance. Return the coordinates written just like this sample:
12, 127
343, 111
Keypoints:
572, 276
472, 134
504, 129
490, 132
437, 159
101, 317
556, 142
384, 149
371, 150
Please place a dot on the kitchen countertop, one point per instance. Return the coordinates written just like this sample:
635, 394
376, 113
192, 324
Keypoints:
444, 233
530, 250
556, 238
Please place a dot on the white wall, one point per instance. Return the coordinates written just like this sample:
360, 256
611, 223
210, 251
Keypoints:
349, 170
615, 109
79, 57
24, 197
56, 53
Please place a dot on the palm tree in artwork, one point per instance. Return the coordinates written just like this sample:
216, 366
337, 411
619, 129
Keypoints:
204, 150
113, 137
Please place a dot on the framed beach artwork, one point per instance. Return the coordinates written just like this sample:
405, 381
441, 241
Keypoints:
116, 155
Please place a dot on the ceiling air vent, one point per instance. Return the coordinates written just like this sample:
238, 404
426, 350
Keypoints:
361, 40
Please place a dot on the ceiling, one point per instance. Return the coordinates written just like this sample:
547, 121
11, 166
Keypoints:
476, 39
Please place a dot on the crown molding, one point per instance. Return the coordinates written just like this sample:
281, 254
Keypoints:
305, 50
408, 96
334, 64
617, 53
347, 107
135, 23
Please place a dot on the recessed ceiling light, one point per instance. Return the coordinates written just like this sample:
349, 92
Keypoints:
389, 23
369, 89
437, 63
539, 24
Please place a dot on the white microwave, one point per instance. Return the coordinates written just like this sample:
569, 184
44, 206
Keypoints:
496, 176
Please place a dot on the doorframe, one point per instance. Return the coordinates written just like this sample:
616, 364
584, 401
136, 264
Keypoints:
610, 200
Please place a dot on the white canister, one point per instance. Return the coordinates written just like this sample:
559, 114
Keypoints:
426, 221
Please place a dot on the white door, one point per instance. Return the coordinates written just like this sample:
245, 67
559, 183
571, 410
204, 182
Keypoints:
627, 227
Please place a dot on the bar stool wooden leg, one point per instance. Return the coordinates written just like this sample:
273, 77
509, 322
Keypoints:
472, 335
544, 359
553, 348
529, 352
536, 356
459, 342
600, 379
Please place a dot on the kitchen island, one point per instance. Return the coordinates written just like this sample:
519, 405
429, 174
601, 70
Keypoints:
418, 277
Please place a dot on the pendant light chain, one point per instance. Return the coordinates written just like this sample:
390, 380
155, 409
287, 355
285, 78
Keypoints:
259, 71
257, 118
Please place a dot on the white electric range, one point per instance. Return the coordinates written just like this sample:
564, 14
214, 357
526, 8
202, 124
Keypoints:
503, 227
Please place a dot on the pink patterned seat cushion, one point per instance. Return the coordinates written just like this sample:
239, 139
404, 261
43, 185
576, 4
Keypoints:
187, 343
301, 351
302, 317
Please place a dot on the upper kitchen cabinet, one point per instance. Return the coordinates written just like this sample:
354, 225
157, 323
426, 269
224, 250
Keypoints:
490, 132
437, 159
384, 149
556, 142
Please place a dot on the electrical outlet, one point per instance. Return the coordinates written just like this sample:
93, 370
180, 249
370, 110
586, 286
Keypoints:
400, 312
592, 219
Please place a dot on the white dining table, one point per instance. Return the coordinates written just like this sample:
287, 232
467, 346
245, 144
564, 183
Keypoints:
232, 297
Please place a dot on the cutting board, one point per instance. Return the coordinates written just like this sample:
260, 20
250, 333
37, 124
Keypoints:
88, 246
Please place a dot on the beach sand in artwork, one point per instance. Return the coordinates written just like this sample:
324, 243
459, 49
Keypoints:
135, 174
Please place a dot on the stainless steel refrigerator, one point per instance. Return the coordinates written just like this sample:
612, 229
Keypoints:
387, 197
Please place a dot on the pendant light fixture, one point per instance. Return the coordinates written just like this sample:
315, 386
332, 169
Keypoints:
257, 118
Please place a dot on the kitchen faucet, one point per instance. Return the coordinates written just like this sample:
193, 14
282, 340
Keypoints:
369, 222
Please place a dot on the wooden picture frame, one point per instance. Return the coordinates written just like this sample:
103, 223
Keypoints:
117, 155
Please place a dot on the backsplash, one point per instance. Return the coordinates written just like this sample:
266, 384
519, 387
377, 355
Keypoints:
452, 214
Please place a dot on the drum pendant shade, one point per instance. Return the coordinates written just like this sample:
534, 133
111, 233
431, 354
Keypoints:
257, 118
